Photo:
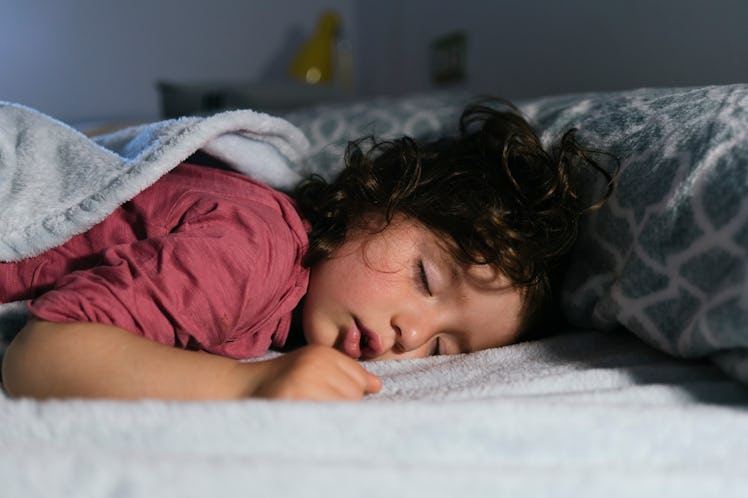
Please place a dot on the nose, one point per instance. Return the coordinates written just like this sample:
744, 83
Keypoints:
412, 331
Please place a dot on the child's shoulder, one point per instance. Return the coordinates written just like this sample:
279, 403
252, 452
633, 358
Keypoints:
217, 196
212, 178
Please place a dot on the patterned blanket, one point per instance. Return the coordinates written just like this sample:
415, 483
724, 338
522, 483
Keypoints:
667, 257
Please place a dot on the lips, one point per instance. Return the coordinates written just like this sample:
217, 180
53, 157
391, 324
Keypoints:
352, 342
360, 342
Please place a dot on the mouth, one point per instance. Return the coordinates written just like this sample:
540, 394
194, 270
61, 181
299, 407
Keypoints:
360, 342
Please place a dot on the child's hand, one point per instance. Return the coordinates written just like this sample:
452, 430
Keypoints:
92, 360
314, 373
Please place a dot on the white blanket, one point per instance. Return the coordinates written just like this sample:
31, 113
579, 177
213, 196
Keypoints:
584, 414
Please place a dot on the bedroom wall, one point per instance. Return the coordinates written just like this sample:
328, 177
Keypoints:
90, 59
537, 47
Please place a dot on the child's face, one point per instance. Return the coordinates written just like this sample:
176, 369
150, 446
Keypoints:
399, 294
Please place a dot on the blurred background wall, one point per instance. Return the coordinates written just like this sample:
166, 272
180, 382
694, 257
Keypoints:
100, 59
536, 47
89, 59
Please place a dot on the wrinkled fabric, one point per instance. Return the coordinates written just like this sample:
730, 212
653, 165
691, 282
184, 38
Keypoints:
203, 259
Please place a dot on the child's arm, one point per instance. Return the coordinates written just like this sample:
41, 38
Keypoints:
56, 360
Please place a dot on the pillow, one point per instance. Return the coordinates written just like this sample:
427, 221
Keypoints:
666, 256
330, 127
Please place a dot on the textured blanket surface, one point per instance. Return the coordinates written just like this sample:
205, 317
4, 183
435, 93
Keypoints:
584, 414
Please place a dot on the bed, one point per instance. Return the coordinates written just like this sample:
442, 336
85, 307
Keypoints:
643, 393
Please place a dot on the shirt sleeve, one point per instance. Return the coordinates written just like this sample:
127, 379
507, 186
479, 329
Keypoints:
212, 280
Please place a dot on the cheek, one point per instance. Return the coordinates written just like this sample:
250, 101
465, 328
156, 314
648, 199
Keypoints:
353, 278
316, 307
330, 295
492, 321
316, 317
333, 281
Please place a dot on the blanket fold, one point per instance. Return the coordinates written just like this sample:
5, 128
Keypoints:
55, 182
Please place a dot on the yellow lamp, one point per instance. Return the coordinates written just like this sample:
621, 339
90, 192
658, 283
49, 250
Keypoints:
314, 62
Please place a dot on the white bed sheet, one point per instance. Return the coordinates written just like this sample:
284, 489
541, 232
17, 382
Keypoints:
580, 414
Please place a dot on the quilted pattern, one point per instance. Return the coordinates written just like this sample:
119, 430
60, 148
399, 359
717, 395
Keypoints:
329, 128
666, 257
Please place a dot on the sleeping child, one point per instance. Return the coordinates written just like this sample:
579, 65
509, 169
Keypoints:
417, 248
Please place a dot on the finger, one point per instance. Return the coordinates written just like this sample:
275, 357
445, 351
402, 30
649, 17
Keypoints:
373, 383
365, 381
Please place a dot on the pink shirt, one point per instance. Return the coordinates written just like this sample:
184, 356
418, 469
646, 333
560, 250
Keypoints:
203, 259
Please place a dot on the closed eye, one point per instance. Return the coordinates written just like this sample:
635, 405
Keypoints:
423, 279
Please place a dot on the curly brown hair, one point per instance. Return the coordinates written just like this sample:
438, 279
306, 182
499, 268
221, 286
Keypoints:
491, 192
